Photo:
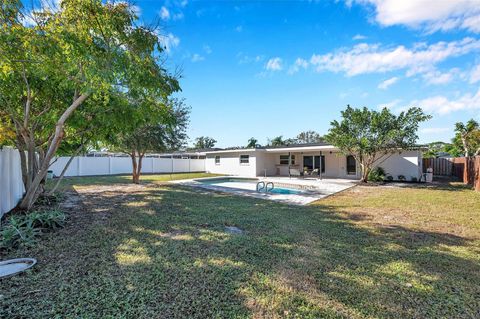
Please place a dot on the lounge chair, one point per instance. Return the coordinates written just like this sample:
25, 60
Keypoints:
295, 172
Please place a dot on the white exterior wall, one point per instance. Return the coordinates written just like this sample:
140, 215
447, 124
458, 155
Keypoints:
230, 164
88, 166
406, 163
11, 183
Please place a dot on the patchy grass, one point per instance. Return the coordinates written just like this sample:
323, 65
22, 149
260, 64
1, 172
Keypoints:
162, 251
68, 182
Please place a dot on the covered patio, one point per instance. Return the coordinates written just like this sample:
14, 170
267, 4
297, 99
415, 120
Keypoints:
311, 162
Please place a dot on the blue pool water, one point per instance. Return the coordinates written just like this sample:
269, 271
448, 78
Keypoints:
246, 184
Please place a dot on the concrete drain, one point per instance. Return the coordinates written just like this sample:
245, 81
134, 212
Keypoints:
233, 230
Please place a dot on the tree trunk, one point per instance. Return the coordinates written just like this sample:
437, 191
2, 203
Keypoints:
365, 172
38, 173
135, 177
65, 170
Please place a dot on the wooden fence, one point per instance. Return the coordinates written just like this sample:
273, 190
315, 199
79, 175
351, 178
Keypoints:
464, 168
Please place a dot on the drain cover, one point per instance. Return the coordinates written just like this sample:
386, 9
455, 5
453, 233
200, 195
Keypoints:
233, 230
14, 266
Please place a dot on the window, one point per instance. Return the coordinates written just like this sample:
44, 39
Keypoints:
217, 160
284, 160
351, 165
201, 157
244, 159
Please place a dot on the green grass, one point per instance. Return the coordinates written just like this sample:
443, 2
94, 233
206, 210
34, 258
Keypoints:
162, 251
68, 182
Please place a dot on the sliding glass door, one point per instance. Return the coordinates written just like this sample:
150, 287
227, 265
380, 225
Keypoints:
313, 162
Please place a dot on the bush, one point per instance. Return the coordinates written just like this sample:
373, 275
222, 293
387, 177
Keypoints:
389, 178
376, 175
22, 230
414, 179
401, 178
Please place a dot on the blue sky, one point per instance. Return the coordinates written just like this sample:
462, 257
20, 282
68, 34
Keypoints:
262, 69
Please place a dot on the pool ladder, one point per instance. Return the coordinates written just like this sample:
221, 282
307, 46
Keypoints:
262, 186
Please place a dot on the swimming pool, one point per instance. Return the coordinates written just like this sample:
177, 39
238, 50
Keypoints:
247, 184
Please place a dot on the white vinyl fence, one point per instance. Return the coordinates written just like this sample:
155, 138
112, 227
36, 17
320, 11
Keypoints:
88, 166
11, 184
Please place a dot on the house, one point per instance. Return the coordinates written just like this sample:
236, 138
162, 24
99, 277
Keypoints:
317, 160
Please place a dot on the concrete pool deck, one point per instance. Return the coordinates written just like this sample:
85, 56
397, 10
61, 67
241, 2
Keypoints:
313, 189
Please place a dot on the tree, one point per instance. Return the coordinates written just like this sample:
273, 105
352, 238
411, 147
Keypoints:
252, 142
434, 149
370, 136
50, 68
204, 142
277, 141
309, 137
163, 131
468, 135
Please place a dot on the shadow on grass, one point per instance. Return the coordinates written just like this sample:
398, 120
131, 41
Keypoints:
165, 252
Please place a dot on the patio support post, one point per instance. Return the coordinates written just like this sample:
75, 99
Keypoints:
321, 168
289, 163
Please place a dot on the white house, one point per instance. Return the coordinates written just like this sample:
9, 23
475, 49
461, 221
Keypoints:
317, 160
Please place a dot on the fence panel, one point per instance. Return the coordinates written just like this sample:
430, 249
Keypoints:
465, 169
11, 184
92, 166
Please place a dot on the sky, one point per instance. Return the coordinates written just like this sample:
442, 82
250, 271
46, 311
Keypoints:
267, 68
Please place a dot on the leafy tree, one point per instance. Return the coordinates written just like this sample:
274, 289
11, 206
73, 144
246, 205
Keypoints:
434, 149
51, 68
252, 142
204, 142
277, 141
7, 133
308, 137
369, 135
468, 135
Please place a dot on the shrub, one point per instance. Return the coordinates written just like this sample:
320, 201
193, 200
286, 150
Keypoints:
389, 178
22, 230
401, 178
414, 179
376, 175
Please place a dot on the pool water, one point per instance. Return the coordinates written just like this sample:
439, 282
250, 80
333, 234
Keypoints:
246, 184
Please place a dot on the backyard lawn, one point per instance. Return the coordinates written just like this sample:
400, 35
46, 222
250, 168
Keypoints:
162, 251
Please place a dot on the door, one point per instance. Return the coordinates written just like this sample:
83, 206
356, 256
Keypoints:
313, 162
351, 165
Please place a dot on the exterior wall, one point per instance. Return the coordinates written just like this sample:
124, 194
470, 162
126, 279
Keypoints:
86, 166
230, 164
11, 183
406, 163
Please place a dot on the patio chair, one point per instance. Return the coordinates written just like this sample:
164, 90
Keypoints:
295, 172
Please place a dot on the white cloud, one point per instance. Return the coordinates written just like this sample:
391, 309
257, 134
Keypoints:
169, 41
371, 58
197, 58
164, 13
435, 130
178, 16
442, 105
430, 15
358, 37
244, 59
385, 84
299, 64
390, 105
274, 64
475, 74
437, 77
207, 49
